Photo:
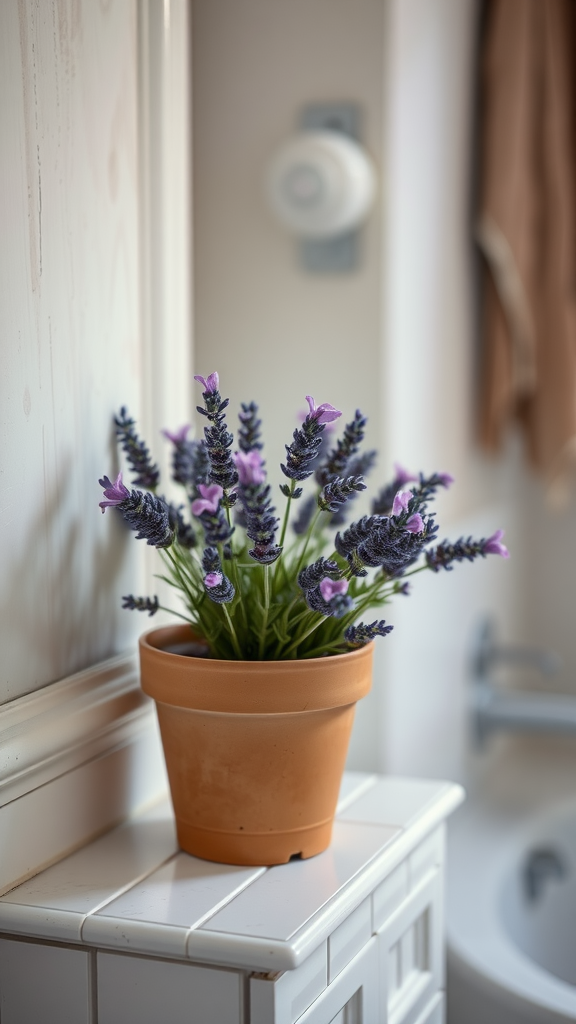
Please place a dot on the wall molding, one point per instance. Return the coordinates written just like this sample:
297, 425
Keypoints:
76, 758
58, 728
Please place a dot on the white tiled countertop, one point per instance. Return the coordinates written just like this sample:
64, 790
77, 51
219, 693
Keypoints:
133, 890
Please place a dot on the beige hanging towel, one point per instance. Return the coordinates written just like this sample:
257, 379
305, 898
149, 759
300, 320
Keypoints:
527, 229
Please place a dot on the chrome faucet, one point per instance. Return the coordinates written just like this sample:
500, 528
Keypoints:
493, 708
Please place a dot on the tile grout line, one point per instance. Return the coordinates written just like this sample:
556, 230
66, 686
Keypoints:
124, 889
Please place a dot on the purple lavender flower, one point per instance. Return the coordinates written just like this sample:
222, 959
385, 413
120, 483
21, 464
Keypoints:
178, 436
211, 383
218, 587
329, 588
208, 509
143, 511
382, 504
306, 443
324, 413
146, 472
218, 439
329, 598
492, 546
258, 517
383, 541
415, 523
211, 495
362, 634
116, 492
141, 604
359, 466
249, 430
313, 574
190, 464
337, 462
304, 517
185, 533
213, 579
465, 549
403, 504
400, 503
338, 491
250, 468
325, 589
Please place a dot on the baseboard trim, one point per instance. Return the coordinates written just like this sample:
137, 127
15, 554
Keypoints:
76, 758
63, 725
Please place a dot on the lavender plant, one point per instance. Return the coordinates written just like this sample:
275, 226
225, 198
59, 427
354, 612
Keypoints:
262, 586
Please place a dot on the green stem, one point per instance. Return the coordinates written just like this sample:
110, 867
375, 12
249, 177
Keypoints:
163, 608
326, 647
181, 583
309, 533
286, 514
303, 637
235, 643
286, 615
280, 560
266, 610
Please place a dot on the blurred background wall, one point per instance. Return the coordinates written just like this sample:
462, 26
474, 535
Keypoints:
396, 337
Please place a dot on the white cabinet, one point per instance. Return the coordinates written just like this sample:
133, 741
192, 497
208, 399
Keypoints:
130, 931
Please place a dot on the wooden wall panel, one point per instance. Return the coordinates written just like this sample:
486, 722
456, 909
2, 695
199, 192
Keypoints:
69, 329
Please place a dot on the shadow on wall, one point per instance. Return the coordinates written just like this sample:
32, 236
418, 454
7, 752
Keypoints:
73, 626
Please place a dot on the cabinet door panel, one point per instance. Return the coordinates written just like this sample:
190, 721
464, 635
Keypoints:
353, 998
411, 956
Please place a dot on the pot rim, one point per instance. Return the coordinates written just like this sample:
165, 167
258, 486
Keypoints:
145, 640
250, 687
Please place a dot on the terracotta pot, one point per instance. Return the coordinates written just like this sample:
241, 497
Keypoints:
255, 750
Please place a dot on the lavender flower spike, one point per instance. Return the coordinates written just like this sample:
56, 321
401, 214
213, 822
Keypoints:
492, 546
115, 492
306, 444
147, 473
144, 512
465, 548
324, 413
362, 634
249, 430
218, 587
141, 604
211, 383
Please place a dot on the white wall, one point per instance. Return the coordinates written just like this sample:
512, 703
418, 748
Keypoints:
69, 321
397, 336
274, 332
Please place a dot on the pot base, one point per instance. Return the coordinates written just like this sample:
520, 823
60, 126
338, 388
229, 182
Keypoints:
254, 849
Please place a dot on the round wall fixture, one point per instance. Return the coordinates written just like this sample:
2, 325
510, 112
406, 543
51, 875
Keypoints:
321, 184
